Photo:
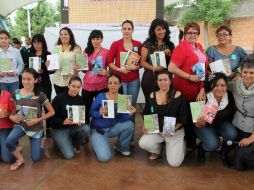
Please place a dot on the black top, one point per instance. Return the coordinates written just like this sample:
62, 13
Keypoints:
59, 104
176, 107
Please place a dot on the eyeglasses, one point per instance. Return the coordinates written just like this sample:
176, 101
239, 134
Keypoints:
223, 35
192, 33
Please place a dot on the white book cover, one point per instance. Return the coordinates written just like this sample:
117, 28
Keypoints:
123, 102
169, 125
160, 59
109, 105
35, 63
222, 66
79, 114
54, 62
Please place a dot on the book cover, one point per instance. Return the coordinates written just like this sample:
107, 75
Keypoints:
35, 63
209, 112
196, 109
54, 62
151, 123
82, 62
152, 59
199, 70
130, 58
169, 125
26, 112
109, 105
222, 66
6, 65
79, 114
97, 65
123, 102
122, 58
65, 67
160, 59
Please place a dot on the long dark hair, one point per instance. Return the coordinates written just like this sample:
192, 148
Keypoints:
211, 81
94, 34
172, 90
72, 39
152, 37
39, 38
37, 87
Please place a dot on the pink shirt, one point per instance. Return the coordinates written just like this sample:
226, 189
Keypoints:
93, 81
7, 105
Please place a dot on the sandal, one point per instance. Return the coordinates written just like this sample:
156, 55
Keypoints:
17, 165
153, 156
77, 151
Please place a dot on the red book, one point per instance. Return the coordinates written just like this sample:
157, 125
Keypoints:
209, 112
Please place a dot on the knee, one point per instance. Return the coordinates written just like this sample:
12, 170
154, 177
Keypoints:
143, 143
36, 158
10, 144
8, 160
68, 155
103, 157
174, 163
211, 145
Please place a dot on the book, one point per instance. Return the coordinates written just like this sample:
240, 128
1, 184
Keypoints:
222, 66
96, 65
82, 62
196, 109
77, 113
65, 66
122, 58
130, 58
199, 70
54, 62
26, 112
6, 65
109, 105
169, 125
151, 123
160, 59
35, 63
123, 102
209, 112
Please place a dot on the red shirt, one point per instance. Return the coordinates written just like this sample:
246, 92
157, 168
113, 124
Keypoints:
8, 106
185, 58
114, 55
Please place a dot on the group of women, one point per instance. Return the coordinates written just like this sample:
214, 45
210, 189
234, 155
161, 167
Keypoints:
165, 94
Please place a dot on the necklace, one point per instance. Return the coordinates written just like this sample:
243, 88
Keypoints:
96, 55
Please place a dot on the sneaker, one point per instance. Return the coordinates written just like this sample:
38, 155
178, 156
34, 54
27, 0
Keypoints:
124, 153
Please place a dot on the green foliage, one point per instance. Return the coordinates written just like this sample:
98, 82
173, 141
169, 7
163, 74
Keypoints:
214, 12
169, 9
44, 15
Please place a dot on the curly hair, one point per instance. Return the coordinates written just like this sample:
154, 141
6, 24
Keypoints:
94, 34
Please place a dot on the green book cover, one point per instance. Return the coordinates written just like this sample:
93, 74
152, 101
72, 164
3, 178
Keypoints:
196, 109
82, 61
151, 123
65, 67
122, 58
123, 102
6, 65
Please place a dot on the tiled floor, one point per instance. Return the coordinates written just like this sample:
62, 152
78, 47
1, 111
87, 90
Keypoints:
126, 173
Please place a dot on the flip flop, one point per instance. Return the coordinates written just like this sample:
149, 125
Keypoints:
153, 156
17, 165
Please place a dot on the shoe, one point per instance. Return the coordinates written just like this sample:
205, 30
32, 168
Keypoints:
77, 150
17, 165
201, 152
224, 155
124, 153
153, 156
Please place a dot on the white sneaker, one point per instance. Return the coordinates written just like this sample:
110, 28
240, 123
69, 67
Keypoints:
124, 153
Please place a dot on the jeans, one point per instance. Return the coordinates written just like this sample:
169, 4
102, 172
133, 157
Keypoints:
100, 142
132, 88
16, 134
11, 87
69, 138
5, 154
210, 135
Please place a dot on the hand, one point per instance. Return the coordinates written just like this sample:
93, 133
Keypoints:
11, 74
15, 118
32, 122
200, 122
245, 142
40, 71
132, 110
123, 70
103, 111
2, 74
76, 66
131, 67
194, 78
201, 95
68, 121
103, 72
167, 52
145, 131
47, 63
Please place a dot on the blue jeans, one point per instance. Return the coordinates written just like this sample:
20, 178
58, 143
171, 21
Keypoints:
100, 142
11, 87
210, 135
69, 138
16, 134
132, 88
5, 154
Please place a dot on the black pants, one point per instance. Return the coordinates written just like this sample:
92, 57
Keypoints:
60, 89
88, 97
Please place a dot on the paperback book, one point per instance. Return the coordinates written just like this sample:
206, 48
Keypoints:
35, 63
196, 109
54, 63
130, 58
65, 67
97, 65
151, 123
77, 113
209, 112
123, 102
109, 105
222, 66
6, 65
169, 125
158, 59
199, 70
26, 112
82, 62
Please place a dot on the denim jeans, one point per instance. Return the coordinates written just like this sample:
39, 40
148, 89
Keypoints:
132, 88
210, 135
69, 138
35, 143
100, 142
5, 154
10, 87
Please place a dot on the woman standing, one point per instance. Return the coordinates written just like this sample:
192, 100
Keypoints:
9, 80
158, 40
95, 79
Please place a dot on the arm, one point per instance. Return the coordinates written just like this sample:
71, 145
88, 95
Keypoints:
57, 121
95, 108
247, 141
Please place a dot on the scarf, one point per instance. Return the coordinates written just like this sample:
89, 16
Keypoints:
242, 90
223, 103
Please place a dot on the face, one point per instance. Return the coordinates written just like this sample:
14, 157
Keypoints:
74, 88
223, 37
64, 37
4, 40
96, 42
220, 88
160, 32
28, 80
127, 30
37, 46
163, 82
192, 35
248, 76
113, 84
28, 41
17, 46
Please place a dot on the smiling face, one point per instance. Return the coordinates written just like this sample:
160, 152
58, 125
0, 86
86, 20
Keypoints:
220, 88
224, 37
127, 30
160, 32
192, 35
4, 40
163, 82
64, 37
74, 88
113, 84
247, 76
28, 81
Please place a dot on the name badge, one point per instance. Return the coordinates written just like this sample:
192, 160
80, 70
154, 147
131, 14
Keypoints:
233, 56
135, 48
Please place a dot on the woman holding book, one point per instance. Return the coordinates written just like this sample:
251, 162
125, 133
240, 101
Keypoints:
226, 50
220, 123
95, 79
158, 41
28, 118
67, 49
6, 107
103, 127
243, 92
67, 135
167, 103
11, 64
187, 79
